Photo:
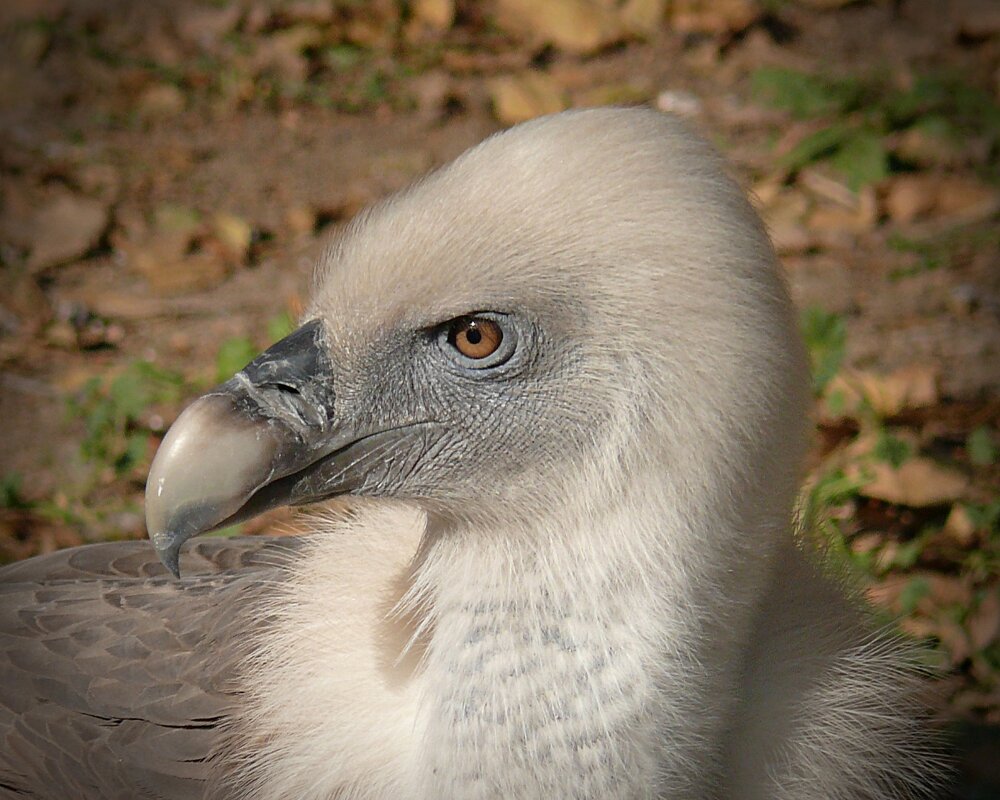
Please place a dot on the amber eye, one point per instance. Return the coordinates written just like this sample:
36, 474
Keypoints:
475, 337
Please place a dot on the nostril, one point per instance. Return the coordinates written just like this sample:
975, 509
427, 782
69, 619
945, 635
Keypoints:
284, 388
291, 403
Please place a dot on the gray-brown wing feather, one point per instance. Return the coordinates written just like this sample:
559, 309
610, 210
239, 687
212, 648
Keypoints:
116, 678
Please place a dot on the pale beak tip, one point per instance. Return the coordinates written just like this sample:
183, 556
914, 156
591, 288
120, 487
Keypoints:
168, 548
193, 486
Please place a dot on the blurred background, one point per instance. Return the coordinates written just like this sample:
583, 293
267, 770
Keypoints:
171, 169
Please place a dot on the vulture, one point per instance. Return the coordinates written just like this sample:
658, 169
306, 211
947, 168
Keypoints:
560, 383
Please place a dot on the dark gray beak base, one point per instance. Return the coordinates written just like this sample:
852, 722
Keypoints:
247, 445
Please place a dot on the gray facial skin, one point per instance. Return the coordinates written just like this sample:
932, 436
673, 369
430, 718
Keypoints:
411, 417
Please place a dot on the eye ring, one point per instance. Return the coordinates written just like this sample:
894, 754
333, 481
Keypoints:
475, 338
478, 341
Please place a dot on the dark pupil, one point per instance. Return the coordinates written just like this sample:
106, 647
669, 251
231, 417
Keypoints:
473, 335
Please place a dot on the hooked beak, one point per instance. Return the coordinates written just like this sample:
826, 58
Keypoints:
267, 437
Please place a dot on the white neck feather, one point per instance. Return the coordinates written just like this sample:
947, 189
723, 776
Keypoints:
597, 656
538, 659
538, 669
576, 633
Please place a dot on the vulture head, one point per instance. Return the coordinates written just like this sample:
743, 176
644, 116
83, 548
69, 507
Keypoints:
579, 316
565, 371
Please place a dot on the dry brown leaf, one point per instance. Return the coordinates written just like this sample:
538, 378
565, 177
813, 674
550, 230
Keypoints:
517, 98
783, 216
789, 239
161, 101
194, 272
100, 180
433, 15
913, 386
643, 17
984, 622
65, 228
909, 197
465, 62
258, 16
826, 187
610, 95
966, 198
917, 483
886, 556
977, 19
766, 191
885, 593
61, 334
300, 220
433, 91
375, 23
682, 103
982, 669
713, 16
205, 26
576, 26
930, 150
945, 590
283, 51
162, 255
315, 12
234, 234
846, 222
159, 246
136, 305
866, 542
918, 627
955, 640
959, 526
